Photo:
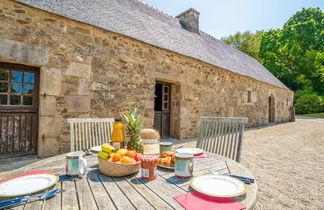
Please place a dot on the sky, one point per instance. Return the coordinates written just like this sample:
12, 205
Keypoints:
221, 18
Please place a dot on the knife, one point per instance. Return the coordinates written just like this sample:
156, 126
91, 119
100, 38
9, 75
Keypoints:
241, 178
47, 195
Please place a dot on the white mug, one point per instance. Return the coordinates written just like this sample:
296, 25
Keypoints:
76, 165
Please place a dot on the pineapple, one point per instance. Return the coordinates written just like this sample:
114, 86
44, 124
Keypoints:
133, 130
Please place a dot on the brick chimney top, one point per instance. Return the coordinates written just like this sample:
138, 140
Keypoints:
190, 18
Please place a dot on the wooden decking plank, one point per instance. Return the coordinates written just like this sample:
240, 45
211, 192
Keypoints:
69, 197
164, 190
119, 199
84, 193
154, 199
34, 205
100, 194
136, 198
54, 202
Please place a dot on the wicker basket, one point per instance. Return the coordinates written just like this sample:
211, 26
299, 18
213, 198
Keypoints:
118, 169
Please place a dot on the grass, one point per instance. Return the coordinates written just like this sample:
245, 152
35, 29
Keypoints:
317, 115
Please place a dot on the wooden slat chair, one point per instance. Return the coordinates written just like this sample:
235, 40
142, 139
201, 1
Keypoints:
89, 132
222, 135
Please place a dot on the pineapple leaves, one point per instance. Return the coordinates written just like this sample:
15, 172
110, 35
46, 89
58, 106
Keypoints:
134, 124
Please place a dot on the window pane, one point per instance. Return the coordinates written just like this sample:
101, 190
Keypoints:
3, 99
28, 89
165, 106
28, 100
16, 76
15, 88
3, 75
29, 77
15, 100
3, 87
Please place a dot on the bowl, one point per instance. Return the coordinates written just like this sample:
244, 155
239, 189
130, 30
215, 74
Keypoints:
115, 169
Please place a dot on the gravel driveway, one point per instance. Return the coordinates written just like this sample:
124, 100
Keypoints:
288, 162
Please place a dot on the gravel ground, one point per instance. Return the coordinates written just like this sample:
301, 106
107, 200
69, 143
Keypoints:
286, 159
288, 163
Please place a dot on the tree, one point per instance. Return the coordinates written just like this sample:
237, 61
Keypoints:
295, 54
246, 42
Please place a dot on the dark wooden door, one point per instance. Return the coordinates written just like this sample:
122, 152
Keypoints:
19, 90
162, 109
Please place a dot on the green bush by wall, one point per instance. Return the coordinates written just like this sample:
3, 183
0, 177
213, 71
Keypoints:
309, 102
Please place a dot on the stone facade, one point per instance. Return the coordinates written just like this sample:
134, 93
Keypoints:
89, 72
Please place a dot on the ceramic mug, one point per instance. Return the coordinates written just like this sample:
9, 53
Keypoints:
165, 146
183, 165
76, 165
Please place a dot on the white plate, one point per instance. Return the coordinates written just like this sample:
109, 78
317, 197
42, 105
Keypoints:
218, 186
194, 151
96, 149
27, 184
168, 167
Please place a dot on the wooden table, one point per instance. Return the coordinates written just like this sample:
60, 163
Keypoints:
96, 191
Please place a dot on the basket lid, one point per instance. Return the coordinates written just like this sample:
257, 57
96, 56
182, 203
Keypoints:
149, 158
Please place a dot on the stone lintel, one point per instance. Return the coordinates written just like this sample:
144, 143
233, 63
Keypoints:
21, 52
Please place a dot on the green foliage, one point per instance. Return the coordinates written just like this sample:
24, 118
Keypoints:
295, 53
133, 124
310, 102
246, 42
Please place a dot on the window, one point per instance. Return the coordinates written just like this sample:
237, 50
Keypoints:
16, 87
249, 96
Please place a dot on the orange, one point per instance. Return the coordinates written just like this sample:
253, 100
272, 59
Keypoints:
131, 153
126, 159
116, 157
122, 152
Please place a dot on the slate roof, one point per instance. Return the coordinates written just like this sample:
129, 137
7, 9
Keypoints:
147, 24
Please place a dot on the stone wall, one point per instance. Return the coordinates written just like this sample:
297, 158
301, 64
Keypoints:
88, 72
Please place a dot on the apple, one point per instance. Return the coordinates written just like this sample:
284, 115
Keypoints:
138, 157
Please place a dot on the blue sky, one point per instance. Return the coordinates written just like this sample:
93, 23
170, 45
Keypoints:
221, 18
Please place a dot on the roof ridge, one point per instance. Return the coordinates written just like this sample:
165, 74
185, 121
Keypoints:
155, 8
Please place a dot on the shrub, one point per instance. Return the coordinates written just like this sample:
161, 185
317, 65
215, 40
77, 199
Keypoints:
308, 103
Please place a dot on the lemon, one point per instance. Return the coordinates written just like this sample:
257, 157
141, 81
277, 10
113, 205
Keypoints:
122, 152
107, 148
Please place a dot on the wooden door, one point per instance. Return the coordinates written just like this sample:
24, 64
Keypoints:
272, 109
19, 90
162, 107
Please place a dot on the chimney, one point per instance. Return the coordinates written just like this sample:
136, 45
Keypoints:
190, 19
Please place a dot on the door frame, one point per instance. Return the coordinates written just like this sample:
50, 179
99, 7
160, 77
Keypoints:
271, 109
162, 108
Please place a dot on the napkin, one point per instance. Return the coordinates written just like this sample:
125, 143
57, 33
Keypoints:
197, 201
201, 155
30, 173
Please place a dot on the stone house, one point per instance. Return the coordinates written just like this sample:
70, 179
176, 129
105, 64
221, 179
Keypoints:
80, 58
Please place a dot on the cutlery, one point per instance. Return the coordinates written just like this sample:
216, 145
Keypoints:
87, 151
47, 195
243, 179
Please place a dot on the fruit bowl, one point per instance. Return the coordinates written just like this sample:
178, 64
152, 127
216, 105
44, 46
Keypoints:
117, 169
